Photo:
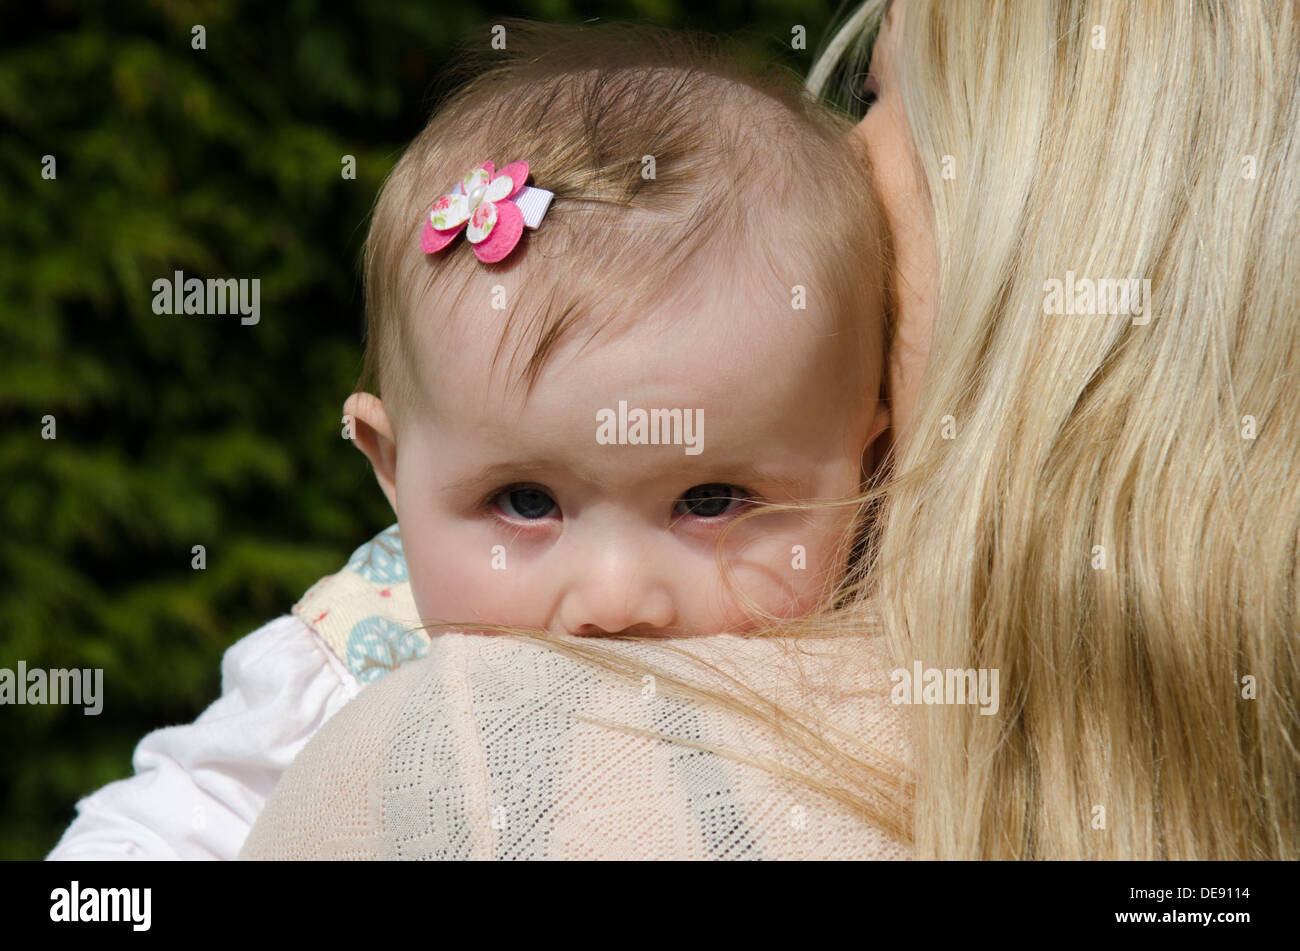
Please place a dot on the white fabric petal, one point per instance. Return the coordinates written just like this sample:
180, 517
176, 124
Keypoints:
499, 188
474, 179
482, 222
450, 211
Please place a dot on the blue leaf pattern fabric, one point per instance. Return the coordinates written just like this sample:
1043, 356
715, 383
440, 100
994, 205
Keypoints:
365, 613
381, 559
378, 645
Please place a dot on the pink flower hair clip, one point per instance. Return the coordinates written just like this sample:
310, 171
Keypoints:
493, 207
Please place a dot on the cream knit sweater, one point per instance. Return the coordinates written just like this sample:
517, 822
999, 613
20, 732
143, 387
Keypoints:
476, 750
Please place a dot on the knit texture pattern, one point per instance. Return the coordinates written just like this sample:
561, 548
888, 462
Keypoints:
484, 748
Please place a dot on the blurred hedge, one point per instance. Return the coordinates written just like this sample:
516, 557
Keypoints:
182, 431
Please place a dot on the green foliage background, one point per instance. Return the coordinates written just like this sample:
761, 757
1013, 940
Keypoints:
179, 431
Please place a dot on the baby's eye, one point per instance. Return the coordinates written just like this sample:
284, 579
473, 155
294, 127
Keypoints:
710, 500
525, 502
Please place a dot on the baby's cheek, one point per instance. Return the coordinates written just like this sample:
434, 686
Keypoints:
467, 577
789, 572
447, 575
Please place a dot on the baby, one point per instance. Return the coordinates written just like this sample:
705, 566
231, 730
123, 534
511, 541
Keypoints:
693, 331
618, 297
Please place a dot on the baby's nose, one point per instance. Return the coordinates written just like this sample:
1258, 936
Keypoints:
618, 594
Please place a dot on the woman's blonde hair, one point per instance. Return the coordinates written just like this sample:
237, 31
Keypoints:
1114, 527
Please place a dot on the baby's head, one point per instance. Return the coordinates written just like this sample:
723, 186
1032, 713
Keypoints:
711, 252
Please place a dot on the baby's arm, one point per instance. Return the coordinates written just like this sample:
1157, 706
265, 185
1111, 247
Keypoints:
198, 788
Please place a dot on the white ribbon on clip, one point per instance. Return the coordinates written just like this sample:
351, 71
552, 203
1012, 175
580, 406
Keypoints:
533, 203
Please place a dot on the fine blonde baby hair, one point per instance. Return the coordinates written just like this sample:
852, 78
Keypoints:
670, 165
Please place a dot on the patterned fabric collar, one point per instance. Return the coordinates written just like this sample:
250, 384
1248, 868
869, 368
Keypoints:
365, 612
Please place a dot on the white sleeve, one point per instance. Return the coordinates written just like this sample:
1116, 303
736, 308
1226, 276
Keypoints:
198, 788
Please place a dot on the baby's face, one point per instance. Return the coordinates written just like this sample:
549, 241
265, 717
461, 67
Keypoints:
555, 511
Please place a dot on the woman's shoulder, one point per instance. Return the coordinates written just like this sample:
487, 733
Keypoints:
507, 747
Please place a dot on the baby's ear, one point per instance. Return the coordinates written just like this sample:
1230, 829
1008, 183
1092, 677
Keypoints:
366, 418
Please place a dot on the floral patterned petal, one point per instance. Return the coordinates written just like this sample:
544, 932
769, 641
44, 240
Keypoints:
479, 176
482, 222
449, 211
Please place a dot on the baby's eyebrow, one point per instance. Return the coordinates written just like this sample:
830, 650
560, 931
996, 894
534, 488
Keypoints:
499, 473
690, 473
